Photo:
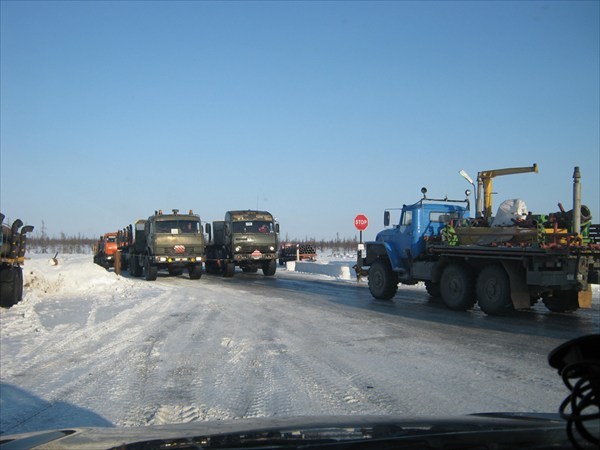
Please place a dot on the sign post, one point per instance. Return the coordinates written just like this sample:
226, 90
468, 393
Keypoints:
361, 223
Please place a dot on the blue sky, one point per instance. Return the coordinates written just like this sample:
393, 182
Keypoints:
315, 111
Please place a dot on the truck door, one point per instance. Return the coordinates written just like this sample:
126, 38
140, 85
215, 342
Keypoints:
404, 238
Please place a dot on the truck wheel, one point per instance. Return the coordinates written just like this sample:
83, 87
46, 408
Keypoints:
11, 287
457, 287
383, 282
561, 301
228, 269
493, 291
269, 268
135, 269
195, 271
150, 271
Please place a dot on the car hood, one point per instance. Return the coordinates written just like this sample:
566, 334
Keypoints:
499, 430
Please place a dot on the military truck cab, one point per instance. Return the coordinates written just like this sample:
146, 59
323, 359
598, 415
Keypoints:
173, 242
247, 239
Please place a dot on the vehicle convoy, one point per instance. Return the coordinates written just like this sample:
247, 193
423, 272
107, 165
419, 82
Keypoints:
174, 242
296, 252
502, 263
12, 256
105, 250
247, 239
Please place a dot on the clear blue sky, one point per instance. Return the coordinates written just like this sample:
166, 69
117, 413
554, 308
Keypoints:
315, 111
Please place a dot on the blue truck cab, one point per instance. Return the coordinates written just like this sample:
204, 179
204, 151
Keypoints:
405, 242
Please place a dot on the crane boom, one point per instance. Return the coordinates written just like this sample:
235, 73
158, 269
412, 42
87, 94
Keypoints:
484, 182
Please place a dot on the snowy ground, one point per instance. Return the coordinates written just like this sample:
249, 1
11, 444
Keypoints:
88, 347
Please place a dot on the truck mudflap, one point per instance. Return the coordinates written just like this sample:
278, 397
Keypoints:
584, 298
519, 292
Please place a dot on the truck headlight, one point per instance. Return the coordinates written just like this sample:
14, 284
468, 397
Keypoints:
272, 248
238, 249
162, 259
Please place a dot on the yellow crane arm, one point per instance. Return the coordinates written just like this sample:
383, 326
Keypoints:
484, 181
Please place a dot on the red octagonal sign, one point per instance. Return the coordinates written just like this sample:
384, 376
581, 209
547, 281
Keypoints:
361, 222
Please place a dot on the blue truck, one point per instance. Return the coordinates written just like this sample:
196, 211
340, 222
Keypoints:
467, 261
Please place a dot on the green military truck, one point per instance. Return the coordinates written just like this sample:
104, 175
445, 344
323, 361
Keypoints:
247, 239
12, 255
173, 242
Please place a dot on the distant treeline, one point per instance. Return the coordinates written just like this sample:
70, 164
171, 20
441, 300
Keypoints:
62, 245
336, 245
81, 244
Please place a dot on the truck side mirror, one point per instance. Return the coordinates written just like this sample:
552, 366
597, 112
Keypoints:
208, 231
277, 228
386, 218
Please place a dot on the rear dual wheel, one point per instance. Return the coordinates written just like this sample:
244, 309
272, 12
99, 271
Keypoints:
134, 267
457, 287
493, 291
150, 270
561, 301
228, 269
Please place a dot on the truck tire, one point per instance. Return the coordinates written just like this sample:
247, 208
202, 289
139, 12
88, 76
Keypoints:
561, 301
150, 271
493, 291
11, 286
195, 271
457, 287
383, 282
269, 268
134, 268
228, 269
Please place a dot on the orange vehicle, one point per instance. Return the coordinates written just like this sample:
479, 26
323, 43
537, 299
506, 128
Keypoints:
105, 250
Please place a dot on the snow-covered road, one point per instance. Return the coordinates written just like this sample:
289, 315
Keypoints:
87, 347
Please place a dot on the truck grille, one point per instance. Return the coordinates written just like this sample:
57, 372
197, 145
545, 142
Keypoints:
179, 251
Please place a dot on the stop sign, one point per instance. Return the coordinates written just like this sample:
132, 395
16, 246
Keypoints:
361, 222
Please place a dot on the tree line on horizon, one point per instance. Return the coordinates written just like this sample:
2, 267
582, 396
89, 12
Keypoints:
83, 245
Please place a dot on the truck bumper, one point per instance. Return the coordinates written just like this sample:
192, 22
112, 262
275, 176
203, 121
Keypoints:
238, 257
183, 260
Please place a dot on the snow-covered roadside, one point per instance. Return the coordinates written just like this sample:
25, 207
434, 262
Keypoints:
88, 347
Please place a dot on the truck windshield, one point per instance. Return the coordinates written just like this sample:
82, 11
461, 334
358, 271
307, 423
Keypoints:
252, 226
178, 226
